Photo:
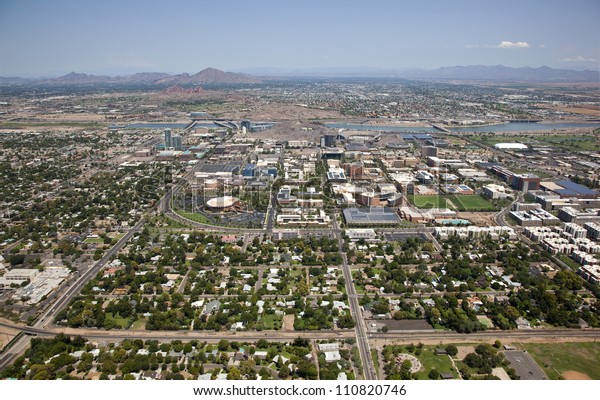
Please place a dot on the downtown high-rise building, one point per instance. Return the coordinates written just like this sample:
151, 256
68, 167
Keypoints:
168, 141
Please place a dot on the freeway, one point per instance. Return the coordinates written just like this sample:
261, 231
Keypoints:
17, 348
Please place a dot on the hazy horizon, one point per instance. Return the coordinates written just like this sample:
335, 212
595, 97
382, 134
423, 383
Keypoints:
121, 38
324, 72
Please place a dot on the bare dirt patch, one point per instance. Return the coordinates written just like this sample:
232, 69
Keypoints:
288, 322
500, 373
6, 333
575, 376
4, 339
478, 218
463, 351
584, 109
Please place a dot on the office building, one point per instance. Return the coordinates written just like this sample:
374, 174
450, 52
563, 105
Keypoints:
429, 151
593, 230
168, 141
570, 214
526, 182
330, 140
176, 142
245, 124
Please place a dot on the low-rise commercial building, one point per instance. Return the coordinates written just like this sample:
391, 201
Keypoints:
365, 216
366, 234
303, 217
18, 276
42, 285
495, 192
569, 189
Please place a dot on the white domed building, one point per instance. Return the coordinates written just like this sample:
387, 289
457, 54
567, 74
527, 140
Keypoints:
225, 203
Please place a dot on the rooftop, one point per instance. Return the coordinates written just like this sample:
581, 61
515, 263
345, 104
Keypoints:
370, 216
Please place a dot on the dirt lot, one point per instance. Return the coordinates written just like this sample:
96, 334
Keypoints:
585, 110
575, 376
6, 334
478, 218
284, 130
463, 351
288, 322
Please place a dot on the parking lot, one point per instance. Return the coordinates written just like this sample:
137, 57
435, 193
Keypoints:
524, 365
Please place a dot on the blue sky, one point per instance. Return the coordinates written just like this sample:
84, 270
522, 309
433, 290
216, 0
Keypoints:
46, 38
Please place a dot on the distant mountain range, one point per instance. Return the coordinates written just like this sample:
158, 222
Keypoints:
502, 73
215, 76
464, 73
206, 76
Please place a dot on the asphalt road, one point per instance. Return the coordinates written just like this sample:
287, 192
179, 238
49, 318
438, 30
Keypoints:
11, 354
531, 335
48, 315
42, 326
526, 335
361, 332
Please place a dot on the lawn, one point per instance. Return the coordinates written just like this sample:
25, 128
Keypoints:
428, 201
94, 240
360, 289
194, 217
458, 202
569, 261
485, 321
117, 236
471, 203
571, 142
139, 325
566, 142
297, 272
375, 358
430, 360
557, 358
271, 321
121, 322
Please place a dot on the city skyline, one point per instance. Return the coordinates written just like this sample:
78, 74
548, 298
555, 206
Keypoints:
112, 38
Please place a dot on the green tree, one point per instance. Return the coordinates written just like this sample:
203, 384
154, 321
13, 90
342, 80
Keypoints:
234, 374
451, 350
284, 372
303, 288
223, 345
434, 374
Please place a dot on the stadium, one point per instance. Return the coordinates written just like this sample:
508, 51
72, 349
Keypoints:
226, 203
